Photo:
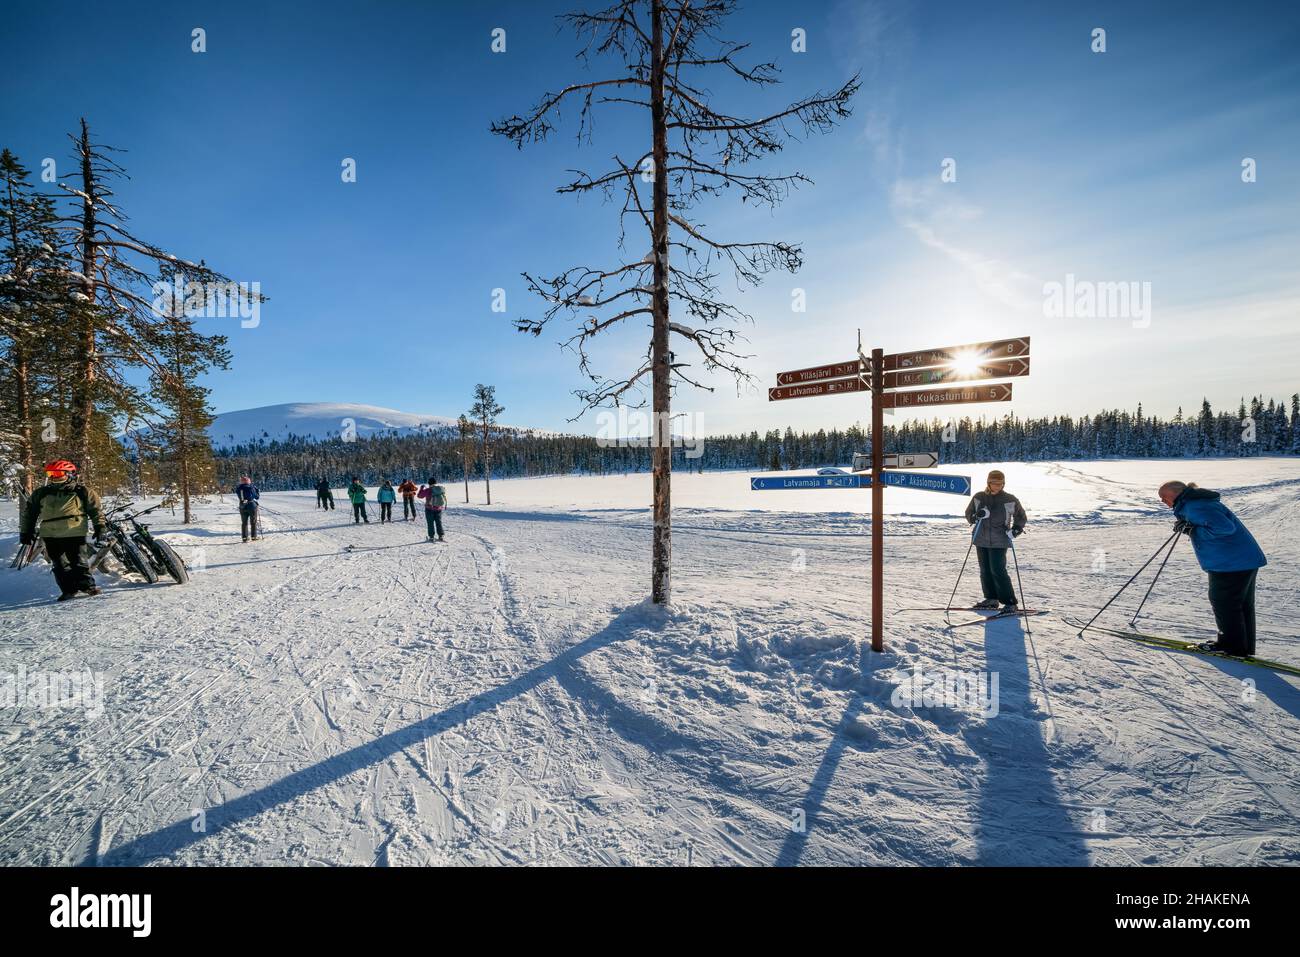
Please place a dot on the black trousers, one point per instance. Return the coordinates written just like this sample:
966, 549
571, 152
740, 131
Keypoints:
994, 580
248, 520
408, 506
1232, 596
359, 513
70, 569
385, 511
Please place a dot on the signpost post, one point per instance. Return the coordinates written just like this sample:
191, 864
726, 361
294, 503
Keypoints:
877, 499
883, 375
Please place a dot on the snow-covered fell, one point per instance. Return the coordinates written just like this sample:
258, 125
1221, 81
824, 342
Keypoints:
318, 420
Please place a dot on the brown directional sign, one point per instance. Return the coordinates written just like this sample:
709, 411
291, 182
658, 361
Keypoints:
1001, 349
830, 387
998, 369
998, 392
836, 370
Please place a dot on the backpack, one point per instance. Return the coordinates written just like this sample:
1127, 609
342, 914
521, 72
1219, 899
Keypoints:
37, 503
437, 496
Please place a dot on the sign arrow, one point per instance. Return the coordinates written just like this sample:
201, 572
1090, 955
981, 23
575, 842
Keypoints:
997, 369
832, 387
998, 349
835, 370
897, 460
998, 392
928, 482
911, 460
919, 481
765, 483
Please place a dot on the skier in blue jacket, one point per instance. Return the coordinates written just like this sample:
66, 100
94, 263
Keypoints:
248, 495
1229, 554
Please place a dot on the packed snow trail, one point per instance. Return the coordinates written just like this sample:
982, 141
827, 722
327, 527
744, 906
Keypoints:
507, 697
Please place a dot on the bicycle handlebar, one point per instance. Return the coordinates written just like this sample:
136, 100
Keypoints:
127, 518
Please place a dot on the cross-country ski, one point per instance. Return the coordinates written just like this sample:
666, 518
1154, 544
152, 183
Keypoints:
1203, 647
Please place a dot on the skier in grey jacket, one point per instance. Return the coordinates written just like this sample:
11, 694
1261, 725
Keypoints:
998, 517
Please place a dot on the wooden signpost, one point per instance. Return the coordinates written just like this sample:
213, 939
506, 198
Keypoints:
882, 375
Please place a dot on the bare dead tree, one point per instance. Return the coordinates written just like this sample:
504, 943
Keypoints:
668, 49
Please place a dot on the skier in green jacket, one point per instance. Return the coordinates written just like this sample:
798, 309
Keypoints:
357, 495
65, 510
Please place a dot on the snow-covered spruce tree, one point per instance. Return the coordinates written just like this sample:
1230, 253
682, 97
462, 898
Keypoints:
182, 430
666, 53
116, 323
31, 294
484, 412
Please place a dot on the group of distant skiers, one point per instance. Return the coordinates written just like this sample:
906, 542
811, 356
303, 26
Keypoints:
1224, 548
433, 495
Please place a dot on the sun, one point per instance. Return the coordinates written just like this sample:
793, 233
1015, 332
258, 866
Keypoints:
965, 363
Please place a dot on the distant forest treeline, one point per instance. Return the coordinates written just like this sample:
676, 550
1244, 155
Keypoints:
1257, 428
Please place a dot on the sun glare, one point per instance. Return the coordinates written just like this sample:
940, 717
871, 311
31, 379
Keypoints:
965, 362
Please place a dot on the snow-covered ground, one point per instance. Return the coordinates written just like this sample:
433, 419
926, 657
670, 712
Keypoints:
344, 694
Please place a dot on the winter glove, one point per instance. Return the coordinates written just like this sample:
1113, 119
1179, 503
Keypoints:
26, 538
1182, 527
982, 513
1017, 532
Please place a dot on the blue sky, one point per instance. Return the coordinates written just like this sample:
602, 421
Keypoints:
1123, 166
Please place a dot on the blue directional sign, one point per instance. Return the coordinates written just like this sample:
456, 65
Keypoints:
923, 481
928, 482
785, 482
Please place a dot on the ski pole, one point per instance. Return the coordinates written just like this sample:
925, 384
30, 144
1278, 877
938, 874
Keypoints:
1019, 584
1172, 546
1127, 583
947, 616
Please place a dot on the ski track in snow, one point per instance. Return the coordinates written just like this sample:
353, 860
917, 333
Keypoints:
351, 694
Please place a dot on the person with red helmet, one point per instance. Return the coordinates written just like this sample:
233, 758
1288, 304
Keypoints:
64, 510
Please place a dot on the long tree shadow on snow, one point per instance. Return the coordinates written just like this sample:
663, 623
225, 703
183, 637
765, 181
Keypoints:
1021, 821
167, 841
815, 797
